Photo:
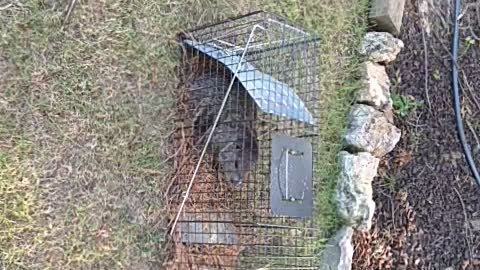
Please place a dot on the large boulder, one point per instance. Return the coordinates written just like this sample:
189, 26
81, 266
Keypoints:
370, 131
338, 253
354, 189
375, 90
381, 47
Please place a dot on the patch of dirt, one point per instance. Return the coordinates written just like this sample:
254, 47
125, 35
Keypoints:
427, 202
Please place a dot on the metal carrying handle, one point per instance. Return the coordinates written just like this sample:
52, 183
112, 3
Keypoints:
285, 195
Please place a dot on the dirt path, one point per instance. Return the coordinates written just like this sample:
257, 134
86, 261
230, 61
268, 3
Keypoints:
428, 206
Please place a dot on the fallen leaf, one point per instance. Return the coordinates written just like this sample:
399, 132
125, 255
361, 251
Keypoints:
402, 158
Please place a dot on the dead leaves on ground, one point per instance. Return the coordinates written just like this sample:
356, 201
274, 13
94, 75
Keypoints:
392, 246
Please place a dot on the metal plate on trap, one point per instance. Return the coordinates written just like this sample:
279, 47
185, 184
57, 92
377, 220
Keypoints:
291, 177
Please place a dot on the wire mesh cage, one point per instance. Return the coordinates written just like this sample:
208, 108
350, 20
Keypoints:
242, 196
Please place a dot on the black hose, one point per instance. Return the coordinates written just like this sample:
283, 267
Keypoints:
456, 98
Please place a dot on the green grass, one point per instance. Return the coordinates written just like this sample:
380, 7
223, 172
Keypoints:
84, 118
341, 26
17, 200
405, 105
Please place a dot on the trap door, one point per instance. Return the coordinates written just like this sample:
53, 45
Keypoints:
291, 177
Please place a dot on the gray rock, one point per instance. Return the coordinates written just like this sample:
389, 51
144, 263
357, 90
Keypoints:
339, 251
381, 47
386, 15
354, 189
370, 131
376, 86
194, 230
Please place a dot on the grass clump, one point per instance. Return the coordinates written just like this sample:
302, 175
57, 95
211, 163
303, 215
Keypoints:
405, 105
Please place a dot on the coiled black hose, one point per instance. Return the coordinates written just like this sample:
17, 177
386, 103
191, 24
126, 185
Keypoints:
456, 98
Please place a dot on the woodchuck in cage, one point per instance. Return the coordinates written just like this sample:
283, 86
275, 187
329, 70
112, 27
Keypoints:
243, 192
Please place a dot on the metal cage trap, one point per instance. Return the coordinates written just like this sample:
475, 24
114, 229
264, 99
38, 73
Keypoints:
243, 194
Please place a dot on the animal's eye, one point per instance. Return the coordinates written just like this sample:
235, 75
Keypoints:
238, 147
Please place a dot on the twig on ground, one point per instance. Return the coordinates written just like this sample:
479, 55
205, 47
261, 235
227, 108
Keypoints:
392, 208
472, 34
425, 49
71, 6
467, 229
423, 7
9, 5
181, 147
464, 77
170, 157
469, 88
6, 6
172, 181
477, 12
472, 130
415, 125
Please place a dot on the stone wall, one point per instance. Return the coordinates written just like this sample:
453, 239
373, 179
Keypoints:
370, 135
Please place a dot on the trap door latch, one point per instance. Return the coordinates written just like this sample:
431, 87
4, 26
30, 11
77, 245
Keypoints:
291, 177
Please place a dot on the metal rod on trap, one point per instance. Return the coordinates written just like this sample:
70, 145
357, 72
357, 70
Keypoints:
217, 119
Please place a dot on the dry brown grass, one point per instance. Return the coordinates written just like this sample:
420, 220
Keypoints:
83, 130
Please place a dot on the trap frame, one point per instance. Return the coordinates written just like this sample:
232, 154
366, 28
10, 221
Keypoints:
262, 74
